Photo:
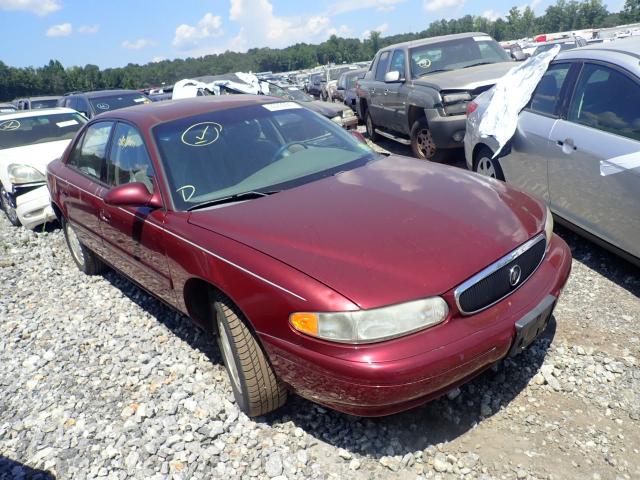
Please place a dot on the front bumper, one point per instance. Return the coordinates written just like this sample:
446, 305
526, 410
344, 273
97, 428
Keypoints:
34, 207
445, 128
388, 377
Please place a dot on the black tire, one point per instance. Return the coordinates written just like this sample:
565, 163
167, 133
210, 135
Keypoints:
422, 143
485, 164
370, 126
9, 210
256, 389
87, 261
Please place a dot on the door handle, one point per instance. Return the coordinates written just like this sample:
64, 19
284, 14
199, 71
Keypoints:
386, 91
104, 216
567, 145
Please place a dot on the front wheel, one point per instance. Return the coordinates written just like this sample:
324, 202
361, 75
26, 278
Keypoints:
9, 209
422, 142
486, 165
371, 128
256, 389
87, 261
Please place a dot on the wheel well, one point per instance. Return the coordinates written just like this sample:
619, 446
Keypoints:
476, 150
198, 298
363, 107
414, 114
57, 211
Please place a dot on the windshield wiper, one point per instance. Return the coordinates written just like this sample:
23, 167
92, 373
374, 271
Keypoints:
479, 63
236, 197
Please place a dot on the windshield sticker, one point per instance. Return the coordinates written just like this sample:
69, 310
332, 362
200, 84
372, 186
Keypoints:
68, 123
201, 134
484, 38
9, 126
103, 106
276, 107
424, 63
187, 191
139, 100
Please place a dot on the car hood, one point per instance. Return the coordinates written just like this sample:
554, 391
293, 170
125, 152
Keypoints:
37, 156
466, 78
325, 109
393, 230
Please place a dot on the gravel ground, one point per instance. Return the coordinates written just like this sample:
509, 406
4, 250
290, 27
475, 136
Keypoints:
98, 379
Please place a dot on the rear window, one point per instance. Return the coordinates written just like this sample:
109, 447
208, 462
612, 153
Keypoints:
39, 129
49, 103
114, 102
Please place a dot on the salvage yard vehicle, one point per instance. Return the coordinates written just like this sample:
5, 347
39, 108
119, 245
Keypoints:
336, 113
346, 87
92, 103
7, 108
321, 266
29, 140
565, 44
314, 87
416, 92
330, 81
34, 103
577, 143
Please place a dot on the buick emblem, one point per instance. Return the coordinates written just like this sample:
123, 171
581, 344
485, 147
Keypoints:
514, 275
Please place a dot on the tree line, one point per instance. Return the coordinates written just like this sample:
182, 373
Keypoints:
54, 78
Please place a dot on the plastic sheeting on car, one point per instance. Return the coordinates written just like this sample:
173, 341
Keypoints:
510, 95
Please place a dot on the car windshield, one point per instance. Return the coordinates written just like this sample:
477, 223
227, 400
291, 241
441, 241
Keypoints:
49, 103
455, 54
39, 129
114, 102
335, 73
256, 148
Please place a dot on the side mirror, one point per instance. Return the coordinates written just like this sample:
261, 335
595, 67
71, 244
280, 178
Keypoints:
132, 195
392, 77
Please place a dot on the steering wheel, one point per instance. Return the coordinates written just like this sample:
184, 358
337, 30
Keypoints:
286, 147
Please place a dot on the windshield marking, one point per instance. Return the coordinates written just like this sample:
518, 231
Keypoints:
103, 106
186, 196
276, 107
9, 125
196, 137
68, 123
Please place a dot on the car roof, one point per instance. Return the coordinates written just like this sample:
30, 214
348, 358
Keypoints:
36, 113
430, 40
151, 114
104, 93
623, 52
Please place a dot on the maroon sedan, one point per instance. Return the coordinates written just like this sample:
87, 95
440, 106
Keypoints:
363, 282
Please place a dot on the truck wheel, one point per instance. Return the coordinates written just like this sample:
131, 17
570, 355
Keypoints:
9, 210
485, 164
422, 142
371, 128
256, 389
87, 261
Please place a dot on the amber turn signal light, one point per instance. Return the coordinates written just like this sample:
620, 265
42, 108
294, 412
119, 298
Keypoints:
305, 322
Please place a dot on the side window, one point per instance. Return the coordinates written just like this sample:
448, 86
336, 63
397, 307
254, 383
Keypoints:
128, 160
607, 100
547, 94
89, 154
381, 69
81, 105
398, 63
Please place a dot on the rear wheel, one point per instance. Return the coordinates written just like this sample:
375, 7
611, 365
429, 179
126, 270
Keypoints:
254, 383
87, 261
422, 142
486, 165
371, 128
9, 209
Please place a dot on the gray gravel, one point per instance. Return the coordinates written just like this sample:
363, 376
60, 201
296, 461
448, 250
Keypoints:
100, 380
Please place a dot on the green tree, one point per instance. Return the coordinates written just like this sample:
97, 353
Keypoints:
631, 11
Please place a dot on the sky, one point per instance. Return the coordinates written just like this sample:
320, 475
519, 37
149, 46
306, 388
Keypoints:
113, 33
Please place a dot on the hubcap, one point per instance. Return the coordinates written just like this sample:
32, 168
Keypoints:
425, 143
8, 208
74, 244
486, 167
228, 356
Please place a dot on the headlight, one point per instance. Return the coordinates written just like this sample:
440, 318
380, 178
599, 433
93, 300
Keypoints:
347, 113
19, 174
337, 119
548, 226
367, 326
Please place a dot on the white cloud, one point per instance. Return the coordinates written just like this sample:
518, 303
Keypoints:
260, 27
491, 15
341, 31
62, 30
39, 7
188, 35
137, 44
435, 5
89, 29
380, 28
351, 6
158, 59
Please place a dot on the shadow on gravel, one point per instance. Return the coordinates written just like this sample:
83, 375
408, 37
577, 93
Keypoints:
12, 470
439, 421
181, 326
614, 268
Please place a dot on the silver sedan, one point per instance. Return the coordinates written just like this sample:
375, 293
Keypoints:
577, 143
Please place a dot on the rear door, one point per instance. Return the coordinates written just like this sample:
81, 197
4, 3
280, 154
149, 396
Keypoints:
133, 235
85, 186
531, 148
594, 178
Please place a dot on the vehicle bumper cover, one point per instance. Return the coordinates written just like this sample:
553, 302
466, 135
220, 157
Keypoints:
443, 128
466, 345
34, 207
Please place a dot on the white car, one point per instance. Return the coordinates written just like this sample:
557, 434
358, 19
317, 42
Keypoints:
29, 140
